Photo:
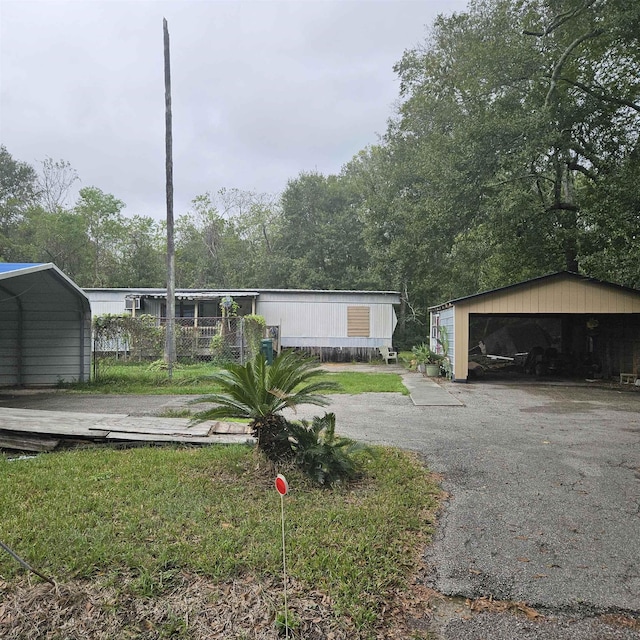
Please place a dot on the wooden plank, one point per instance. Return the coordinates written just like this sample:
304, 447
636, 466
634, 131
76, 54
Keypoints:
158, 437
168, 426
112, 426
50, 426
231, 428
132, 430
20, 442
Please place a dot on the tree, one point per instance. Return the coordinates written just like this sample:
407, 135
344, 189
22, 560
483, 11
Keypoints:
18, 192
320, 243
54, 184
141, 254
105, 231
202, 246
507, 110
59, 237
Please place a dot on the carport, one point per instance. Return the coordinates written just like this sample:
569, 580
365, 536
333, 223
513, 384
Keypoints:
562, 323
45, 327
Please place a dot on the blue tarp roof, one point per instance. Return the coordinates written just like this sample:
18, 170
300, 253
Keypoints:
5, 267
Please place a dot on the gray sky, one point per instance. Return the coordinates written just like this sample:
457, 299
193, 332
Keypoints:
261, 90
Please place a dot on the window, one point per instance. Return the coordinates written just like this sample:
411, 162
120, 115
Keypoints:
435, 326
358, 322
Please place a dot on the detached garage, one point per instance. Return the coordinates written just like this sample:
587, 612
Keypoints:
45, 327
561, 323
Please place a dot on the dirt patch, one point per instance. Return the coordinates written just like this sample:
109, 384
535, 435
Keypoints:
195, 608
447, 616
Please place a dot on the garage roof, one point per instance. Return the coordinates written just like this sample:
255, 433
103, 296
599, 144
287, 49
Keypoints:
560, 275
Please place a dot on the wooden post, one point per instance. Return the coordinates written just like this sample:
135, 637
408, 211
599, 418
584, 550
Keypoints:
170, 344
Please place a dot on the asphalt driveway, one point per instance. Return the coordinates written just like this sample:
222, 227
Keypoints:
544, 498
544, 507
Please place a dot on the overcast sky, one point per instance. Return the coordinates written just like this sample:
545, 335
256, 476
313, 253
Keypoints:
261, 90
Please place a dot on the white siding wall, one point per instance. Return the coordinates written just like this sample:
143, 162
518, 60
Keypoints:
106, 302
305, 318
316, 319
443, 318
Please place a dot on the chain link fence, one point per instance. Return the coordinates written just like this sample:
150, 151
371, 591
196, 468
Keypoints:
142, 339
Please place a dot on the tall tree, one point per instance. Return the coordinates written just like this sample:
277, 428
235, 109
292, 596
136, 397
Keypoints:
321, 243
201, 251
18, 192
506, 110
104, 228
54, 183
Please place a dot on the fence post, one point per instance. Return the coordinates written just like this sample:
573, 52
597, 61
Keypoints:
241, 340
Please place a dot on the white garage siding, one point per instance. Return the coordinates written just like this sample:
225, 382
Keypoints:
443, 318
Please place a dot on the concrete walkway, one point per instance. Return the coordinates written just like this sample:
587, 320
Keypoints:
426, 392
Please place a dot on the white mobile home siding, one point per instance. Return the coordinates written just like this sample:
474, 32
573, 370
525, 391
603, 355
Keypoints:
305, 319
319, 319
107, 302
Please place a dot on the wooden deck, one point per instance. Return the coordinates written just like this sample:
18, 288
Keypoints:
35, 430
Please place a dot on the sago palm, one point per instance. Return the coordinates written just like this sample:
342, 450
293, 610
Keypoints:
258, 392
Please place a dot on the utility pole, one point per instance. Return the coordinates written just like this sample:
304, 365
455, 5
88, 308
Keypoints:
170, 344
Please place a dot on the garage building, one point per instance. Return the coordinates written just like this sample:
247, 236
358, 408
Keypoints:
592, 327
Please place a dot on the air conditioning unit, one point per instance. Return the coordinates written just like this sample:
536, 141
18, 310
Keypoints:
131, 303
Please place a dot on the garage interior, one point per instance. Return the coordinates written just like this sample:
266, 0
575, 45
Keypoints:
591, 346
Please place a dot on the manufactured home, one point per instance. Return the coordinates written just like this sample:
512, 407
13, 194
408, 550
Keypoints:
559, 324
333, 325
45, 327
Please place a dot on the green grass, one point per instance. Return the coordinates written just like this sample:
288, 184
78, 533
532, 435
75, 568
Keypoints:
140, 378
354, 382
213, 511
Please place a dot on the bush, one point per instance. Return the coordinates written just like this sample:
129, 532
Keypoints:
324, 457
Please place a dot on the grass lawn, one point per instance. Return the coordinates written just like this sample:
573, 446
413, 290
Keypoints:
179, 542
136, 378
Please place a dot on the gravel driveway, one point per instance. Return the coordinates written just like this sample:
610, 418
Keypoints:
544, 506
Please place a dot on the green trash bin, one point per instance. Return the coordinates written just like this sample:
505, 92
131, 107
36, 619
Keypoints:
266, 348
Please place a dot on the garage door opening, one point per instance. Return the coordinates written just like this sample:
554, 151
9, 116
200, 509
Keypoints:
569, 346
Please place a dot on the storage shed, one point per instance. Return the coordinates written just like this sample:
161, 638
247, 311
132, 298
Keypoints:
580, 325
45, 327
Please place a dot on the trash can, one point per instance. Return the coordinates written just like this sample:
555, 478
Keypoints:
266, 348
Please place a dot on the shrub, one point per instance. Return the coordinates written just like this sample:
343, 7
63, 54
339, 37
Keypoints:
324, 457
258, 392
